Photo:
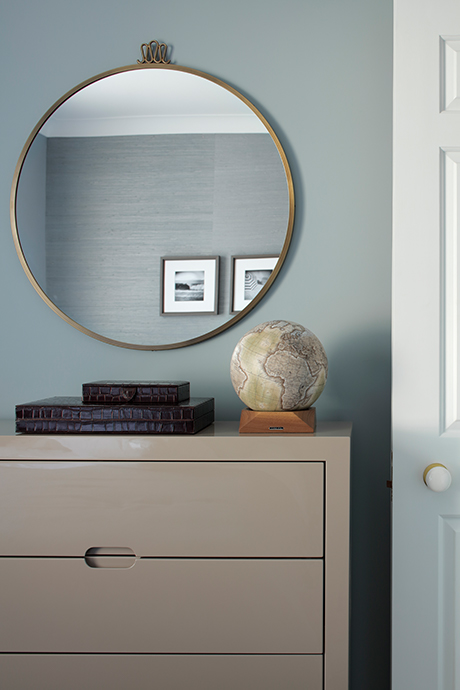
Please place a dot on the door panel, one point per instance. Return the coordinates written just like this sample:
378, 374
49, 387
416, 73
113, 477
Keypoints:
426, 355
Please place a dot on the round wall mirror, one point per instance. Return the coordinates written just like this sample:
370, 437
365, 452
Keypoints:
152, 206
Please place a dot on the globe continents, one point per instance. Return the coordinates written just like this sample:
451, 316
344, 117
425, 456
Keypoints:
278, 365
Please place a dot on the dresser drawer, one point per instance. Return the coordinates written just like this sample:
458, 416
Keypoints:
170, 672
255, 509
259, 606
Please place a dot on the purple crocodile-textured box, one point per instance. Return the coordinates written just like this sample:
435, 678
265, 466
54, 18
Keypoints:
136, 392
72, 416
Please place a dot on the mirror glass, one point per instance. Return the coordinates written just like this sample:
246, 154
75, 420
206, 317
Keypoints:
148, 186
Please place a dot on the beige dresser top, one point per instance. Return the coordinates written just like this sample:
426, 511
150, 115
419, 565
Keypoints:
219, 441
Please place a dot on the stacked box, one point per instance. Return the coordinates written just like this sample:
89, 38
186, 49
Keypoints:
136, 392
119, 408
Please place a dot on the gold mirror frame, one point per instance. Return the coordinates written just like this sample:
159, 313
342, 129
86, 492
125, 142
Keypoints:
152, 62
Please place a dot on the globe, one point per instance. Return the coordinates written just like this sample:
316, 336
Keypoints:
279, 365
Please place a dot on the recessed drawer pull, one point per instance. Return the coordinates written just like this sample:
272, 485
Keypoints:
110, 557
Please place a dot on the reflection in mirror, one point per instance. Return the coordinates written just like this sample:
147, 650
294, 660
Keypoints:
137, 165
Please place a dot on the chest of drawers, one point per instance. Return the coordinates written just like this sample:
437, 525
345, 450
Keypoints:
213, 561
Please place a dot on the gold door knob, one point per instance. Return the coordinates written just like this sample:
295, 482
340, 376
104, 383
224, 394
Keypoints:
437, 477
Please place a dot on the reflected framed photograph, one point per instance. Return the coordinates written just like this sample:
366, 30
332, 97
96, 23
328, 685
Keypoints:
249, 275
189, 285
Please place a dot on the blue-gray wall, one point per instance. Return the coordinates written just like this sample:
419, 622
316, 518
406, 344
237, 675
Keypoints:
31, 217
320, 71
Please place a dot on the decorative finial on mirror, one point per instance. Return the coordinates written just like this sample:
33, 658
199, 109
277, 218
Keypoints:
154, 53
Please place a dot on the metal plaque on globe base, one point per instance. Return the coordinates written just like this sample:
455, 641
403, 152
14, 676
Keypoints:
290, 422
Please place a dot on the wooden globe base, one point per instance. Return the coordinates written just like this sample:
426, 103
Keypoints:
292, 422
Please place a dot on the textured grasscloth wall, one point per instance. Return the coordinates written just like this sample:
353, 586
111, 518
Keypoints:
116, 205
321, 72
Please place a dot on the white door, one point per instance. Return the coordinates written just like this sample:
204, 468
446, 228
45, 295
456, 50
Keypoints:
426, 344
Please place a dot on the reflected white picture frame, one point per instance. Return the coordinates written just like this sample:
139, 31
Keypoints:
189, 285
260, 267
